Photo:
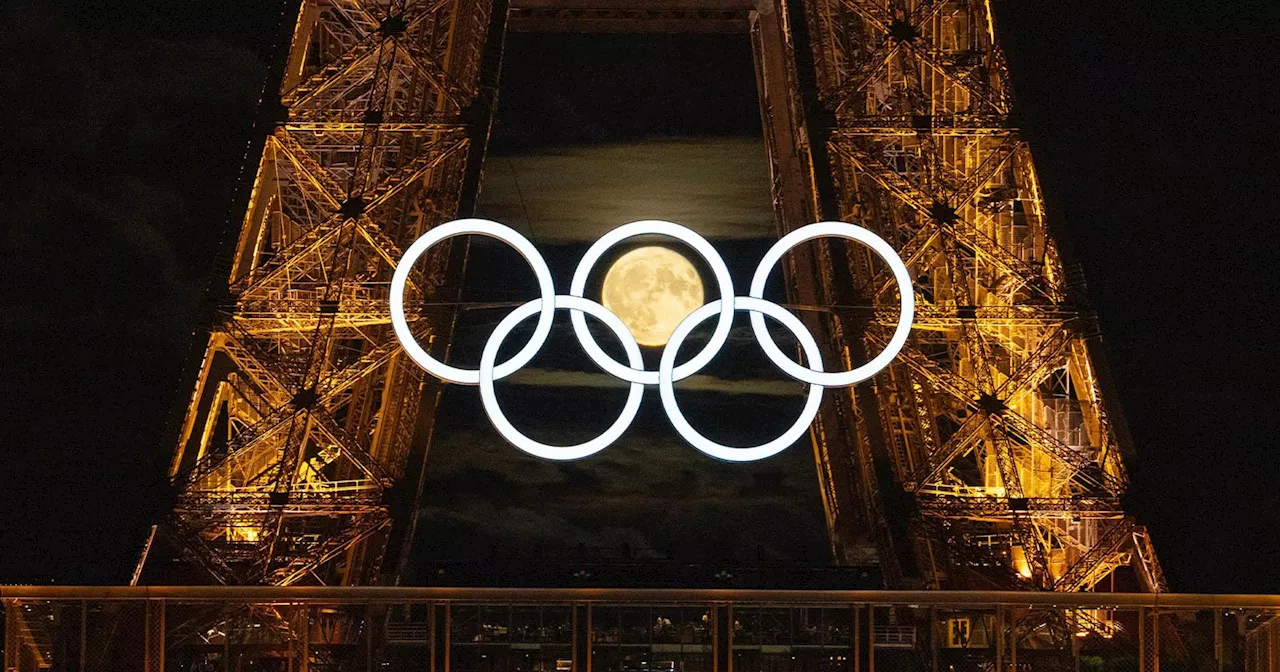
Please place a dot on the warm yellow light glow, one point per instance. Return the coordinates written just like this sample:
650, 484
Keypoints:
242, 533
652, 289
1020, 563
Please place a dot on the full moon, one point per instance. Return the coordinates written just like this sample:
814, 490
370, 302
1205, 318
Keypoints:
652, 289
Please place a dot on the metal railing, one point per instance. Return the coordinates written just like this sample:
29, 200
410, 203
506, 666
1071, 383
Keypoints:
204, 629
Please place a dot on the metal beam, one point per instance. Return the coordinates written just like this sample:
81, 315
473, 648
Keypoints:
369, 594
621, 16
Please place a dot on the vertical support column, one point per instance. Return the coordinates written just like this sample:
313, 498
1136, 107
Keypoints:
721, 639
84, 635
153, 637
1258, 653
1013, 641
1155, 640
302, 629
933, 638
441, 637
714, 623
482, 108
1273, 656
1217, 639
852, 462
869, 639
857, 639
582, 637
226, 638
1006, 639
1075, 653
11, 641
1148, 640
999, 638
1142, 639
795, 205
433, 637
376, 634
369, 619
729, 622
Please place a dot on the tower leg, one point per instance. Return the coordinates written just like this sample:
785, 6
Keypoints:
153, 660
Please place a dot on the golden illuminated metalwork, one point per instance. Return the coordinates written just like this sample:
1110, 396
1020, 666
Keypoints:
464, 629
305, 410
990, 454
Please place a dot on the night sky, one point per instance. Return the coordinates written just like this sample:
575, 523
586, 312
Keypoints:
570, 162
1153, 128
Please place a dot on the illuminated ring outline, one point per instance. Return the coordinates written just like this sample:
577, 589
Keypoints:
666, 389
637, 374
900, 275
491, 229
667, 373
577, 306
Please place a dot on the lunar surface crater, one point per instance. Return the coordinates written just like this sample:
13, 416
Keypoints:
651, 289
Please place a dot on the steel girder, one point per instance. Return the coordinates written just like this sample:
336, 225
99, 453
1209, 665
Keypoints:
991, 436
305, 408
993, 420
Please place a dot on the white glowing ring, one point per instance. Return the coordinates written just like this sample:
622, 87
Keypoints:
900, 275
667, 390
577, 306
491, 229
668, 373
637, 374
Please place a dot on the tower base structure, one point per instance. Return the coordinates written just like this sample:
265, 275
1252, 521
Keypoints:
613, 630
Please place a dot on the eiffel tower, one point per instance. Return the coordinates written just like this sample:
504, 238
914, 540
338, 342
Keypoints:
989, 455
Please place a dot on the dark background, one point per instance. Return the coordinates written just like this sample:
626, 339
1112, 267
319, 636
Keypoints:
647, 127
1153, 127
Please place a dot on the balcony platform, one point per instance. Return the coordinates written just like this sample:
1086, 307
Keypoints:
461, 629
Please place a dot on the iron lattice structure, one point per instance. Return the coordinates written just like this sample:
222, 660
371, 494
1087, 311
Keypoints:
989, 454
304, 413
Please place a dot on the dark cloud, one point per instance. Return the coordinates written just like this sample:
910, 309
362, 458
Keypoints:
649, 494
702, 383
576, 194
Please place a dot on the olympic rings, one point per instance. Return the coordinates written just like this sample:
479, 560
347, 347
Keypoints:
684, 235
461, 227
900, 275
578, 305
668, 392
633, 372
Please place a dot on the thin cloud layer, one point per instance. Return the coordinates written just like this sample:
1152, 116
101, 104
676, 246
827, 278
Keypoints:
576, 194
648, 494
696, 383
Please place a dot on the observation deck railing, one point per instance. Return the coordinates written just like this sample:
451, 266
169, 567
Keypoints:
206, 629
